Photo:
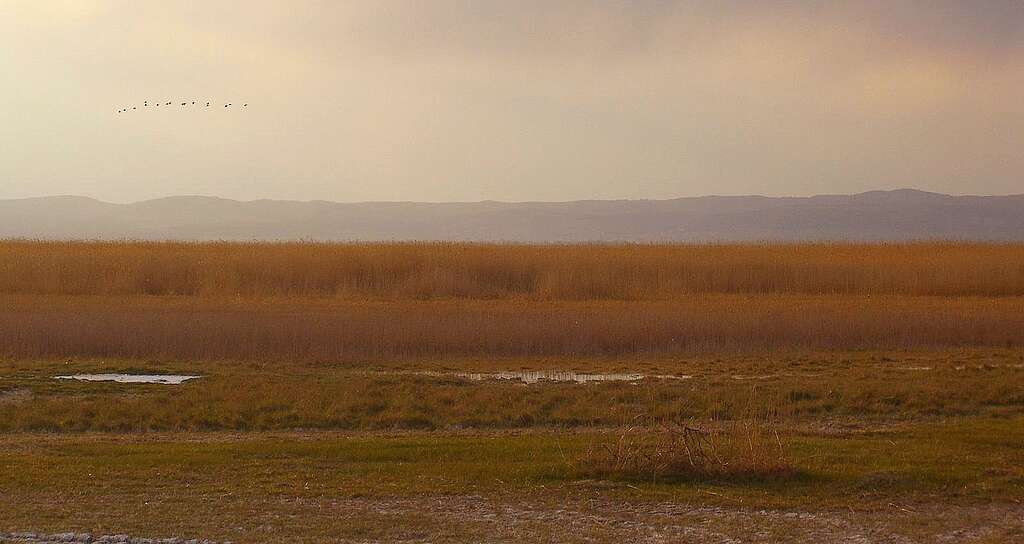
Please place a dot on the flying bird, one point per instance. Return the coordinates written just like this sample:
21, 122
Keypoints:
145, 104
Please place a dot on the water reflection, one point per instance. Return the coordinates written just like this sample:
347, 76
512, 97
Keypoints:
537, 376
167, 379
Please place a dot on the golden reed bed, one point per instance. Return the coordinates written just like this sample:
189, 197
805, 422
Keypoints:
389, 301
298, 329
570, 272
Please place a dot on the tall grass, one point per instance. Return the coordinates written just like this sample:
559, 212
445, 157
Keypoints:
482, 271
386, 301
303, 329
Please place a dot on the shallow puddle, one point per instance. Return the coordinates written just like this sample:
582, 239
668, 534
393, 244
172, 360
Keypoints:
532, 377
167, 379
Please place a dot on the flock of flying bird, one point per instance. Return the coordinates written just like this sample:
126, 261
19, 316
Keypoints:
146, 104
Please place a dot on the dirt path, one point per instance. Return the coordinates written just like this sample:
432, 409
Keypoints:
601, 520
479, 519
85, 538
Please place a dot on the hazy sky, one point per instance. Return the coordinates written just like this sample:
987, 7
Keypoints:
511, 100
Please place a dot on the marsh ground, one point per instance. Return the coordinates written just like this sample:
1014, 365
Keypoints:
882, 486
826, 389
889, 447
333, 404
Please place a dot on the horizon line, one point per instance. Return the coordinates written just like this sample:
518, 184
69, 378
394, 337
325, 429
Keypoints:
495, 201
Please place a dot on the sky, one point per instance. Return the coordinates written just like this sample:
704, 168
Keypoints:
471, 100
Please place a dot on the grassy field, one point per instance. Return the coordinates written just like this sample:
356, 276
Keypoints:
812, 389
339, 399
499, 487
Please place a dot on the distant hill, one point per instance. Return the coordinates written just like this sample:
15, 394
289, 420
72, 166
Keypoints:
874, 216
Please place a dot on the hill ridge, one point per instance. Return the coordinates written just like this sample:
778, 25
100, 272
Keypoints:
884, 215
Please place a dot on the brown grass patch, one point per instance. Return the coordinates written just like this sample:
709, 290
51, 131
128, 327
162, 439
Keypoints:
745, 449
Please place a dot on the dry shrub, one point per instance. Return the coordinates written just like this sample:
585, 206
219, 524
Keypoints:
745, 449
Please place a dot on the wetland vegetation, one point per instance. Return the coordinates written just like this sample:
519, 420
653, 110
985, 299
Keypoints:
822, 386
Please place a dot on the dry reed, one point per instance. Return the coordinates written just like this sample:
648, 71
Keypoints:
303, 329
482, 271
307, 301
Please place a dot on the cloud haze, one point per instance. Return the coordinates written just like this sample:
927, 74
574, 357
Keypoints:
526, 100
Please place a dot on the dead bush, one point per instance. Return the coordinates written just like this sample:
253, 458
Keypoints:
687, 450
